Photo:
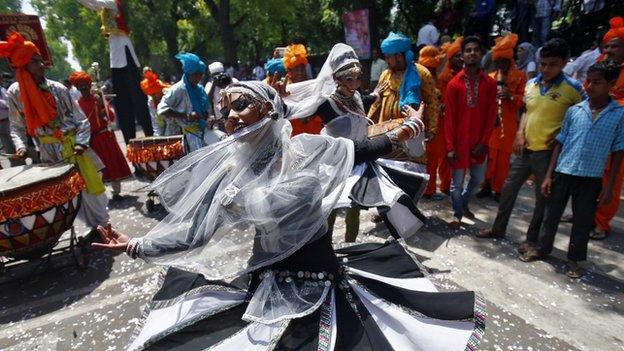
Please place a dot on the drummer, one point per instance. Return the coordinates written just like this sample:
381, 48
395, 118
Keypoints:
186, 102
43, 109
408, 82
154, 88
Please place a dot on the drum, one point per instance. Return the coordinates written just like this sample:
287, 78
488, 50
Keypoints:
412, 149
154, 154
38, 203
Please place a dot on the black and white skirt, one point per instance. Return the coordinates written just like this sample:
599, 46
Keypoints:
381, 300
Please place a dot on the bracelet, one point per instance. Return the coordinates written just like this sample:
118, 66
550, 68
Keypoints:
132, 249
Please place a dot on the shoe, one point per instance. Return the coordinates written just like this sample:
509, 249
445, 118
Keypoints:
455, 223
446, 192
526, 246
567, 218
489, 234
437, 197
531, 255
573, 270
117, 197
468, 214
376, 219
496, 196
598, 234
485, 192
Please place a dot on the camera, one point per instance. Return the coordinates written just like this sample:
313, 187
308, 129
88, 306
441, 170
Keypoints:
221, 80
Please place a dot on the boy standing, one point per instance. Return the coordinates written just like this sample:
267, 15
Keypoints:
591, 131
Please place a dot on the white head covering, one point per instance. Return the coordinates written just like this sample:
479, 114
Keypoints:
216, 67
250, 200
305, 97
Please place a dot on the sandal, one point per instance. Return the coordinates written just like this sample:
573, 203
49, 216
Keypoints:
598, 234
531, 255
573, 270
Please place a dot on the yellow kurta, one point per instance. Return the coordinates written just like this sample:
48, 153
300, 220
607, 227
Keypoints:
387, 107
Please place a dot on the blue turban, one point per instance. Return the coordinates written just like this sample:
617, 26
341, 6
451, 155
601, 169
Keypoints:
191, 63
199, 99
275, 65
409, 93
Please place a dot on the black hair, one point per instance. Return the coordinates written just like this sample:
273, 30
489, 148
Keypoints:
607, 68
555, 47
472, 39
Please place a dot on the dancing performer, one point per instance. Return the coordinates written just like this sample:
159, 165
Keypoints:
186, 102
154, 89
130, 102
249, 216
103, 140
44, 110
334, 96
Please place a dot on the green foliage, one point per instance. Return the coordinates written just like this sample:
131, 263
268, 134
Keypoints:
10, 6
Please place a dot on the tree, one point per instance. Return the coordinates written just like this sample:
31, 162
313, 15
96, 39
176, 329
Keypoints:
10, 6
221, 15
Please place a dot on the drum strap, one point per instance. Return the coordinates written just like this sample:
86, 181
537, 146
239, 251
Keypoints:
83, 162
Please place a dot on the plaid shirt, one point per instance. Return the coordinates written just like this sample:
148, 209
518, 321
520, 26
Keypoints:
543, 8
587, 143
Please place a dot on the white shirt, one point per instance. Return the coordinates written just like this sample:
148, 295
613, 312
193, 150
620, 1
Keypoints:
428, 35
74, 93
377, 67
117, 43
258, 72
577, 69
4, 104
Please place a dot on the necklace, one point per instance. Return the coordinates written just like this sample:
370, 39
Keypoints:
348, 103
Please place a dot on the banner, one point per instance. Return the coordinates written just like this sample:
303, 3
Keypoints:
28, 26
357, 33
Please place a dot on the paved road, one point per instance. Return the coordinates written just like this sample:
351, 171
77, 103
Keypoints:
530, 306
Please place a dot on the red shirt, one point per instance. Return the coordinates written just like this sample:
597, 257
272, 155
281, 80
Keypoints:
468, 126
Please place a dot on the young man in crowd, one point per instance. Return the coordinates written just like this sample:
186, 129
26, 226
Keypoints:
470, 116
547, 97
592, 130
510, 85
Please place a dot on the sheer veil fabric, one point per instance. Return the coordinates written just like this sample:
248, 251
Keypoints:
250, 200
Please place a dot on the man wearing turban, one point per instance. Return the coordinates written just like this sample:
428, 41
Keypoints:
186, 102
44, 110
103, 140
272, 67
154, 89
613, 49
431, 58
295, 62
511, 82
408, 82
130, 102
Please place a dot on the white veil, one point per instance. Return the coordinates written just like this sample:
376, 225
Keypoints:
305, 97
250, 200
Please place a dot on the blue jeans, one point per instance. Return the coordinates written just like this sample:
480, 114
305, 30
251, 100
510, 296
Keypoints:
460, 195
541, 30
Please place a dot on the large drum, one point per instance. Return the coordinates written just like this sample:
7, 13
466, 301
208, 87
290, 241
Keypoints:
413, 148
154, 154
37, 204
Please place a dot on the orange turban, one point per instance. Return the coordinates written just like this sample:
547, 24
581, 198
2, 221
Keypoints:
429, 57
454, 48
80, 78
151, 85
39, 106
616, 31
295, 55
504, 47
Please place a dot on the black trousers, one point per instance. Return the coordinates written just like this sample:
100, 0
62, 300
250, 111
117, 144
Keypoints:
130, 102
584, 192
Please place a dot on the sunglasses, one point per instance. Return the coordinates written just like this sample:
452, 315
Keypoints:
238, 105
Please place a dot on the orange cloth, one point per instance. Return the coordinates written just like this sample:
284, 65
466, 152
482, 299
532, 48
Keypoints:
604, 214
306, 126
497, 168
504, 47
295, 55
452, 50
436, 153
616, 31
39, 105
80, 78
503, 136
151, 85
429, 57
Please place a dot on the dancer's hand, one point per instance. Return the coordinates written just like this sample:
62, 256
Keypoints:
21, 153
112, 239
379, 89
